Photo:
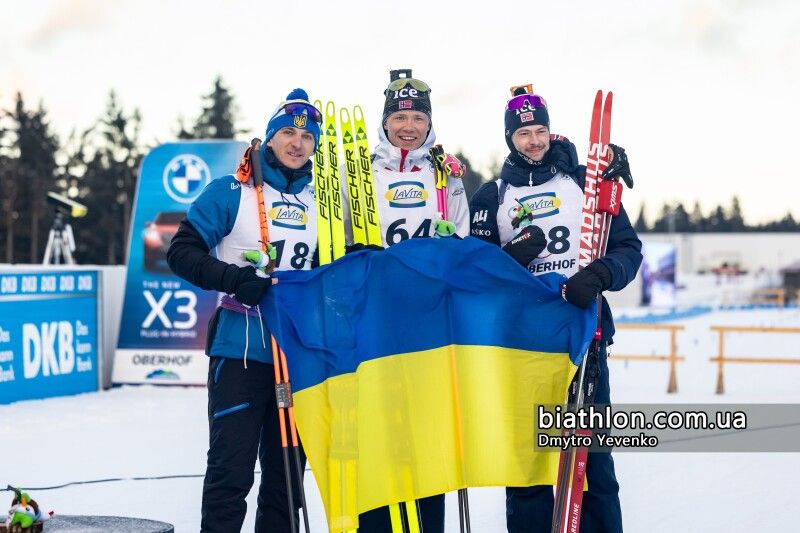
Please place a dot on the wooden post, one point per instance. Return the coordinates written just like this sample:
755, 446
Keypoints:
720, 362
672, 387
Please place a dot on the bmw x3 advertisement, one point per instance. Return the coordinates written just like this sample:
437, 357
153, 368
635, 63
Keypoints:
164, 318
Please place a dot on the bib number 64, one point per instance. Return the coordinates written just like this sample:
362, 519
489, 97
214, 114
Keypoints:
396, 232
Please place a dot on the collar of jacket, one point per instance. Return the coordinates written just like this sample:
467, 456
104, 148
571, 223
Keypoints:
561, 157
282, 178
390, 156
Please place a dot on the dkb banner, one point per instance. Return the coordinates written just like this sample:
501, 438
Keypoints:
48, 334
164, 319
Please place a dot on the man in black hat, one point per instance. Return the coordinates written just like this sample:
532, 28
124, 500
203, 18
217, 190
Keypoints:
534, 212
408, 207
403, 169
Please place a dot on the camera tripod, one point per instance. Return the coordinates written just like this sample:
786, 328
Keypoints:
60, 243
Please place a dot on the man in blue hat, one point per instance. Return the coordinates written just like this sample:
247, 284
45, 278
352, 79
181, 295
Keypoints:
242, 411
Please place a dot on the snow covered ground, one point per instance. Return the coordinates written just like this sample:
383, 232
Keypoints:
158, 431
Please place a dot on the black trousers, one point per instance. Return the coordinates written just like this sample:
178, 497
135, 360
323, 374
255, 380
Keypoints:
431, 511
243, 425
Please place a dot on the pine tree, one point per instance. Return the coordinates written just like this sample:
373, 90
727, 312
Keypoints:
717, 221
183, 133
680, 218
787, 223
697, 222
73, 165
9, 189
31, 163
641, 221
217, 119
663, 224
108, 185
734, 216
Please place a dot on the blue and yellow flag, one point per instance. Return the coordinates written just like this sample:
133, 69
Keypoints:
416, 370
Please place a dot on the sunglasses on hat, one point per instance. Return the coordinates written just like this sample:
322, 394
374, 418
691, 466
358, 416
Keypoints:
297, 107
521, 89
531, 100
399, 83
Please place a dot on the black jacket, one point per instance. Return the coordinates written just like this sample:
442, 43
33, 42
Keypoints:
624, 252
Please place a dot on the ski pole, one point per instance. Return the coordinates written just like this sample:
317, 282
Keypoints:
283, 394
437, 153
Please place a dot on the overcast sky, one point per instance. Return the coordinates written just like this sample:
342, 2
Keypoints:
705, 90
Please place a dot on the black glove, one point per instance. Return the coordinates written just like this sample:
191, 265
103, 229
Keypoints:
619, 167
357, 247
583, 287
527, 245
250, 287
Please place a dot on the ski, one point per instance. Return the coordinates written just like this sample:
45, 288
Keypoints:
321, 193
370, 200
331, 245
404, 516
601, 202
354, 184
334, 184
366, 229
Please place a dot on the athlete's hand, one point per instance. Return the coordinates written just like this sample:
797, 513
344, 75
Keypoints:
250, 286
451, 165
527, 245
357, 247
583, 287
619, 167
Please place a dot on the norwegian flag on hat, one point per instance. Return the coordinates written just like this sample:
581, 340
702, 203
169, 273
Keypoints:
404, 104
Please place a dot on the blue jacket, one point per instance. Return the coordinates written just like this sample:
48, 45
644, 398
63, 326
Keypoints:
210, 220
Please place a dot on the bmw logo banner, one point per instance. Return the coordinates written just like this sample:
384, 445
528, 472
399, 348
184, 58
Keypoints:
164, 318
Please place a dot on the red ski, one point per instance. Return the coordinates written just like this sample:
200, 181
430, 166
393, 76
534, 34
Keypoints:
602, 200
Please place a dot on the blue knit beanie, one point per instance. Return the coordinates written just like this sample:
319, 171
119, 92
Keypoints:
299, 119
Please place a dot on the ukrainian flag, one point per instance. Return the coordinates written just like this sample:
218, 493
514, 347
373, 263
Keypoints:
416, 370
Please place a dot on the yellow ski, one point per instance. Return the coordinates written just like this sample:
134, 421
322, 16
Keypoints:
354, 189
321, 193
369, 198
366, 228
334, 185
